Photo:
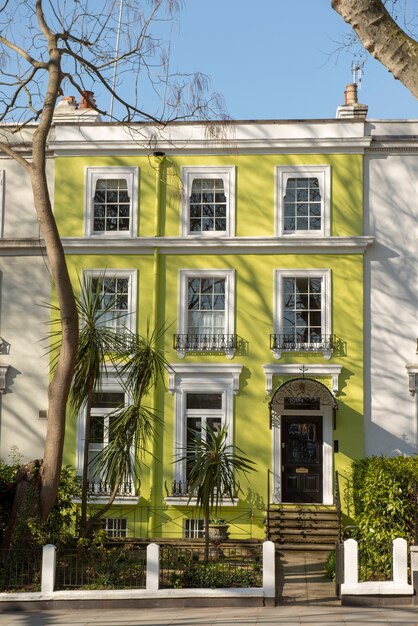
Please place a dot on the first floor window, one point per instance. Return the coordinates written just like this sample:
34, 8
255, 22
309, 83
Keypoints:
303, 312
116, 293
206, 312
206, 305
302, 309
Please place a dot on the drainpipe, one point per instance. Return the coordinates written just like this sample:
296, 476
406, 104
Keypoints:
159, 160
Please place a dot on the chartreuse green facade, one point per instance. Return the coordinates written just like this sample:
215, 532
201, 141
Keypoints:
266, 266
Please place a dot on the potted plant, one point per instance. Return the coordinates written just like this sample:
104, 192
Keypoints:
212, 467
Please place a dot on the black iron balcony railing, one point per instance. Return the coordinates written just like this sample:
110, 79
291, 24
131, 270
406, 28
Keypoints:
280, 343
205, 342
179, 488
102, 488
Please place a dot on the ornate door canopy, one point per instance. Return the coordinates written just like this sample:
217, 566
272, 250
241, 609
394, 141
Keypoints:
301, 394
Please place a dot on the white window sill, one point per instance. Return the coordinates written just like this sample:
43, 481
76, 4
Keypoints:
119, 500
111, 233
327, 354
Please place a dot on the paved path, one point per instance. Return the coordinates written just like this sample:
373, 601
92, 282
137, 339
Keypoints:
300, 579
291, 615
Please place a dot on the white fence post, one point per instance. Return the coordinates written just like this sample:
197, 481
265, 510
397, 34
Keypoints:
48, 568
269, 570
350, 562
414, 571
153, 567
400, 561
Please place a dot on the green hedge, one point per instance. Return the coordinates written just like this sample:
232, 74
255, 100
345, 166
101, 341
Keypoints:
383, 495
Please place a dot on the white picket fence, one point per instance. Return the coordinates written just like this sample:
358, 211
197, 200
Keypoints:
398, 586
266, 593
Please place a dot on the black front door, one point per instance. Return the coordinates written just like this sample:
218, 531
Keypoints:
301, 459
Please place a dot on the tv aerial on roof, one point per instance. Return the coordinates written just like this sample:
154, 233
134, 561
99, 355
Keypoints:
357, 67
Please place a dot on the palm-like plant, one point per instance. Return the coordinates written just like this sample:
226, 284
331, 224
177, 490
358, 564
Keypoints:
212, 467
99, 345
141, 364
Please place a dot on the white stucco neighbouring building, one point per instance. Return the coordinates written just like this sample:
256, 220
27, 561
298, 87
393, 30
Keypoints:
391, 287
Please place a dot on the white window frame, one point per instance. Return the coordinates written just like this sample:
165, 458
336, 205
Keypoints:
109, 384
229, 276
198, 378
188, 175
92, 175
323, 174
193, 528
119, 531
128, 320
325, 275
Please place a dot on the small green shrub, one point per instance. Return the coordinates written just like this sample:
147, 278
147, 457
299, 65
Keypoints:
330, 566
7, 493
220, 575
59, 528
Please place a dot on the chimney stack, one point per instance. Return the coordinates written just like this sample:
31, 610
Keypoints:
351, 107
67, 110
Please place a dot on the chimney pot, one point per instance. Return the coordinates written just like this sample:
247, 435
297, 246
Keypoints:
87, 100
351, 94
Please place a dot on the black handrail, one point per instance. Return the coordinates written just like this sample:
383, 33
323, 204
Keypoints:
268, 505
338, 506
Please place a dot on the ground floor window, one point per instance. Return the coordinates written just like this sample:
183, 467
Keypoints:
194, 528
116, 527
203, 403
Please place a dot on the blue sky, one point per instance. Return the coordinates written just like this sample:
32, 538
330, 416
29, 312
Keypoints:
277, 59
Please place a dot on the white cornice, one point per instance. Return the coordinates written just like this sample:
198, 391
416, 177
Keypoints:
229, 146
191, 245
22, 247
216, 245
215, 138
292, 369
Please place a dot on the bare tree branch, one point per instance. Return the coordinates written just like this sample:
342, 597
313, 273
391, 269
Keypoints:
42, 23
6, 149
23, 54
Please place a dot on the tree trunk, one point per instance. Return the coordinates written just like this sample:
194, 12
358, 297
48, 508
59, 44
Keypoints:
60, 384
103, 509
383, 38
26, 504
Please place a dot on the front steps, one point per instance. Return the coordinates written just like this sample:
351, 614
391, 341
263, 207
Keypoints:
303, 526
